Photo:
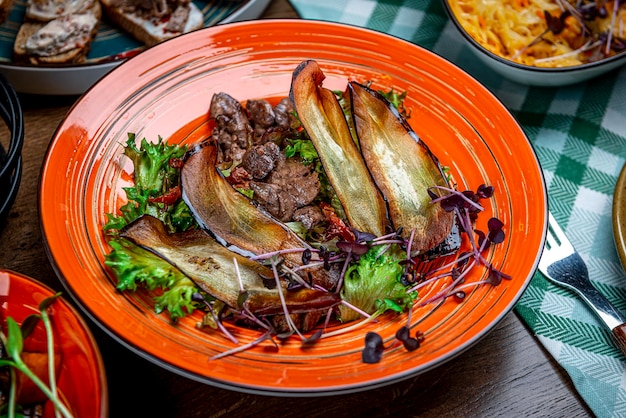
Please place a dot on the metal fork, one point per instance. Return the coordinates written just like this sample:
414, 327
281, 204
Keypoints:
561, 264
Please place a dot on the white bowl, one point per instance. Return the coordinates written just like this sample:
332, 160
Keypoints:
531, 75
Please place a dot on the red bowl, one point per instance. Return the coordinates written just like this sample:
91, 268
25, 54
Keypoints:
81, 379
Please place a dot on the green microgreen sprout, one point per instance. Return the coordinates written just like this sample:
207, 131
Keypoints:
13, 341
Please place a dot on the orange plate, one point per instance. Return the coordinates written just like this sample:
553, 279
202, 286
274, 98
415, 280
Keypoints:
166, 91
81, 380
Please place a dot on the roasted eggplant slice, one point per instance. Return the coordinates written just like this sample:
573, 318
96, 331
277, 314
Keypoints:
402, 167
322, 117
211, 267
235, 221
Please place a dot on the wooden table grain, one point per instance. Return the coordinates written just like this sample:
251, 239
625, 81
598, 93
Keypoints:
507, 373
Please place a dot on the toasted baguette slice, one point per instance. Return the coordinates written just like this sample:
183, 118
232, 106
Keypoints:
47, 10
73, 56
150, 31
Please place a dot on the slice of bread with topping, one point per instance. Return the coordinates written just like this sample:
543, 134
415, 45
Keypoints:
47, 10
154, 21
64, 40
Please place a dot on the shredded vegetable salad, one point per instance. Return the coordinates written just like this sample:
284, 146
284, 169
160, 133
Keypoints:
545, 33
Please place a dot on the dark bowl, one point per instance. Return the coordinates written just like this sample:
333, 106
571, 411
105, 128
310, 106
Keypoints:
11, 153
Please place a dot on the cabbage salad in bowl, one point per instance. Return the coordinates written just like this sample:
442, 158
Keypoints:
549, 34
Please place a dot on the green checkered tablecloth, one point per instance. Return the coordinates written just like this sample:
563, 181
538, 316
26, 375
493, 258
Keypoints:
579, 134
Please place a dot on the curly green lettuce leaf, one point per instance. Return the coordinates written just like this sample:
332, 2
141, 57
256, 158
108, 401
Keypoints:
155, 191
374, 284
151, 161
136, 267
303, 148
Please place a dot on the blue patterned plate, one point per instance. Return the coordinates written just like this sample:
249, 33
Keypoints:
110, 47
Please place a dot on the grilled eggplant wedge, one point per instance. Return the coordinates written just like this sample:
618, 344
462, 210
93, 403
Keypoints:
236, 222
382, 177
211, 267
402, 167
322, 117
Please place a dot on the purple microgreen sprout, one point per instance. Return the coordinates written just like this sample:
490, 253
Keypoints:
354, 308
329, 314
362, 237
392, 238
494, 278
410, 343
374, 347
465, 205
350, 249
455, 199
354, 326
264, 337
243, 294
197, 297
496, 234
596, 45
448, 289
245, 313
293, 273
292, 327
269, 255
354, 247
313, 338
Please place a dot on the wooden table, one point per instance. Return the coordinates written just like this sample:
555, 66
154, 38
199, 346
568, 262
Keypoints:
507, 373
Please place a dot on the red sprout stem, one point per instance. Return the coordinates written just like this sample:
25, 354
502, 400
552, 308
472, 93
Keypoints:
456, 192
220, 325
244, 347
252, 317
385, 237
280, 252
288, 319
468, 286
409, 245
430, 280
318, 264
328, 316
389, 242
356, 309
343, 271
294, 274
444, 292
451, 263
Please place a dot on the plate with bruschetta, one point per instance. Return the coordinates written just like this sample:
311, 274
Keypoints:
62, 47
